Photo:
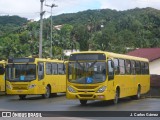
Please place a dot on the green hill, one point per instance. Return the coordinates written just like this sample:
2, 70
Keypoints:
104, 29
9, 24
15, 20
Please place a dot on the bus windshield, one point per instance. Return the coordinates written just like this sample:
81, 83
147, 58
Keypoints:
21, 72
87, 72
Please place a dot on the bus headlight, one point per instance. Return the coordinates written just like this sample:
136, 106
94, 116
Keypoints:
101, 89
9, 86
70, 89
31, 86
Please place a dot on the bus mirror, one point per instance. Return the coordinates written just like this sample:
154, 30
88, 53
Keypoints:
112, 64
110, 77
64, 67
110, 70
40, 67
40, 71
2, 70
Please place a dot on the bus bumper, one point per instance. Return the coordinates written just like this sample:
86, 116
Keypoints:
90, 96
22, 92
24, 89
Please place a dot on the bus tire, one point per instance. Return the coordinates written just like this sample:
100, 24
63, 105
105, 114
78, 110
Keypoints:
138, 96
48, 92
83, 102
22, 97
116, 97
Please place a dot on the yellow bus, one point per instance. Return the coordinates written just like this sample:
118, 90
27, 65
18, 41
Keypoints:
35, 76
98, 75
2, 76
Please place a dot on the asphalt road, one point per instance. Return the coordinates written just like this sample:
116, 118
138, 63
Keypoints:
60, 103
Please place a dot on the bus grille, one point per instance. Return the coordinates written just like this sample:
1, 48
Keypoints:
86, 90
86, 87
20, 86
84, 95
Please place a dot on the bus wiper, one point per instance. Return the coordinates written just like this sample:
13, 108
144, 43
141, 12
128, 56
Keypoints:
9, 79
79, 64
92, 64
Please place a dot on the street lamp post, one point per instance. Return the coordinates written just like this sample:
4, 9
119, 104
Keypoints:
53, 5
41, 29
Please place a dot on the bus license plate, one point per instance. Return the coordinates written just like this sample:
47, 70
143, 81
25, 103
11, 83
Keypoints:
19, 91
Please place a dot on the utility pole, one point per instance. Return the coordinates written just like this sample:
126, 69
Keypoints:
41, 29
53, 5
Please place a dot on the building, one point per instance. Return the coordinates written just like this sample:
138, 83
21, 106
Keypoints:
31, 20
152, 54
58, 27
68, 52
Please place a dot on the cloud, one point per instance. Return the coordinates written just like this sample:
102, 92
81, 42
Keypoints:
69, 6
24, 8
129, 4
31, 8
72, 6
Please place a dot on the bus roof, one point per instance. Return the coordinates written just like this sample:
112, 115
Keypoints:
48, 60
114, 55
2, 62
33, 60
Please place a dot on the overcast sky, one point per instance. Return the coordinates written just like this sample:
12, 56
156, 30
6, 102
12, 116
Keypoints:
31, 8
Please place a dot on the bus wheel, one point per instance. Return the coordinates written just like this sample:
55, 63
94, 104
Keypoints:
116, 97
48, 92
83, 102
138, 96
22, 97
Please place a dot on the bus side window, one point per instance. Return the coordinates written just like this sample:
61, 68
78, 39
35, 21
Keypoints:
64, 68
128, 67
40, 71
143, 68
54, 68
138, 67
121, 67
133, 70
60, 69
116, 66
110, 70
146, 68
48, 68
